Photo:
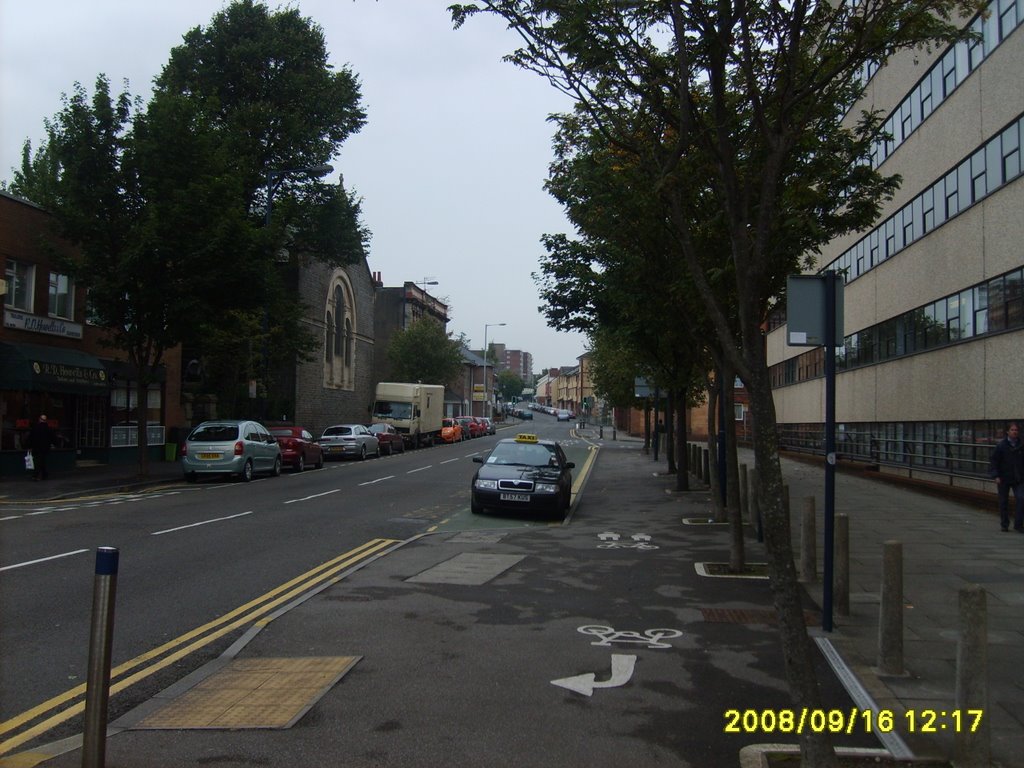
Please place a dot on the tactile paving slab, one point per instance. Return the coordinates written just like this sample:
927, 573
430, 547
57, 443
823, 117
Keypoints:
253, 693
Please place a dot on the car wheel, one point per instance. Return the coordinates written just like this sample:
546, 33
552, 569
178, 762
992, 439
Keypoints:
300, 465
475, 508
388, 452
276, 472
320, 461
191, 477
362, 452
247, 471
377, 455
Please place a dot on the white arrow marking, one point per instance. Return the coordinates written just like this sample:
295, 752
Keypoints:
622, 671
608, 536
640, 537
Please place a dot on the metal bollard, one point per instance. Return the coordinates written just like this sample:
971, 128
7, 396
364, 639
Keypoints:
890, 614
600, 432
706, 466
842, 570
972, 746
101, 638
808, 543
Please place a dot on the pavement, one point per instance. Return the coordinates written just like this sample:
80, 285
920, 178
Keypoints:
597, 642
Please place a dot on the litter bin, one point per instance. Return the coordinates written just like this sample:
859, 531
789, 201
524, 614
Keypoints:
170, 451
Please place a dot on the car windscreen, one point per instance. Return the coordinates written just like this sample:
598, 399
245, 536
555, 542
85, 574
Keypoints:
215, 433
387, 409
525, 454
332, 431
283, 432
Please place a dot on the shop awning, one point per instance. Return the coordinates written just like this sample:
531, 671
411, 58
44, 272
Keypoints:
51, 369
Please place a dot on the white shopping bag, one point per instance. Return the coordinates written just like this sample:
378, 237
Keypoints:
30, 463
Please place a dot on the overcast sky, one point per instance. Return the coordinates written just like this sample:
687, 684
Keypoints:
450, 164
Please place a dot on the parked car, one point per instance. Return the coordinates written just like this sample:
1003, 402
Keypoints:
523, 474
469, 427
523, 414
489, 423
562, 415
344, 440
451, 431
298, 447
482, 428
230, 447
388, 438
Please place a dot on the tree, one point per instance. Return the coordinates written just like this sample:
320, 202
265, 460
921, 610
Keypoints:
168, 204
758, 93
148, 230
262, 79
425, 352
510, 386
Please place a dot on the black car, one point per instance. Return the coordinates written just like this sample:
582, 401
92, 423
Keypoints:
523, 474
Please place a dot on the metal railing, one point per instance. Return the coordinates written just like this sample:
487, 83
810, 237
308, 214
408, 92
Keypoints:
958, 459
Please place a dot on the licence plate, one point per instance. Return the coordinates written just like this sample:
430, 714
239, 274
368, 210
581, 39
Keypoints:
210, 456
515, 497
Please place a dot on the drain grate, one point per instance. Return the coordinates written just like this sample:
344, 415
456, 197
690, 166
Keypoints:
750, 616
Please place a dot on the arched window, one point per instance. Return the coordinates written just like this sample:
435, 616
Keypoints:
339, 321
329, 346
349, 342
341, 327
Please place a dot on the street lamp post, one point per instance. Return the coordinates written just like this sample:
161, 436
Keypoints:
274, 180
487, 401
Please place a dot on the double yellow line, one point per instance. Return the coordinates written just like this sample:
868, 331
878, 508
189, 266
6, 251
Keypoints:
185, 644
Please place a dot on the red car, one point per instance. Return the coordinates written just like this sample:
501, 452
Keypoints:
469, 426
298, 448
387, 438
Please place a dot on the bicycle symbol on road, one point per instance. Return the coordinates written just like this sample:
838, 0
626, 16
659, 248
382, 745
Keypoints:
611, 540
652, 638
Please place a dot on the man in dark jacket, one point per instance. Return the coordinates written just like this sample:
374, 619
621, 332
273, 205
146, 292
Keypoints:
40, 438
1007, 469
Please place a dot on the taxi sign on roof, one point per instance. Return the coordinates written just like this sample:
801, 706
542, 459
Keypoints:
525, 437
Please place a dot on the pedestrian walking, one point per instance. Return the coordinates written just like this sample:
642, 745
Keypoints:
40, 439
1007, 469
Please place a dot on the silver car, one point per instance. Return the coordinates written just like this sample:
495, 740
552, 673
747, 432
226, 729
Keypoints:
229, 447
344, 440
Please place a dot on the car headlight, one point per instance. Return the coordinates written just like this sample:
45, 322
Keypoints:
487, 485
546, 488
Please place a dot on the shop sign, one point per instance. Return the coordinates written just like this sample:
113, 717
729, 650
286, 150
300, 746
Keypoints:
69, 374
51, 325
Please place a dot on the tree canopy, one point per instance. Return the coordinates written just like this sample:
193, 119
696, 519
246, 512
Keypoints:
427, 353
168, 201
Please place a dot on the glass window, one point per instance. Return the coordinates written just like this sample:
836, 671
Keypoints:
20, 284
980, 309
996, 305
952, 200
990, 30
1014, 296
1010, 146
1008, 17
61, 296
925, 94
979, 184
948, 68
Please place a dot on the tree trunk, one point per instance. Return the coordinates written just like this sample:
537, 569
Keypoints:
670, 446
647, 426
797, 649
737, 547
712, 478
141, 423
682, 467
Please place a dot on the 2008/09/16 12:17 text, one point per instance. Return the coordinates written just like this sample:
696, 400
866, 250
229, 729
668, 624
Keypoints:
848, 721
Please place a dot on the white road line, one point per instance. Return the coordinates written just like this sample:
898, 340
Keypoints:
12, 517
449, 461
43, 559
378, 480
420, 469
314, 496
204, 522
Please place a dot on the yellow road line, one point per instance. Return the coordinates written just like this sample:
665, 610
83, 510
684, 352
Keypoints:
283, 593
